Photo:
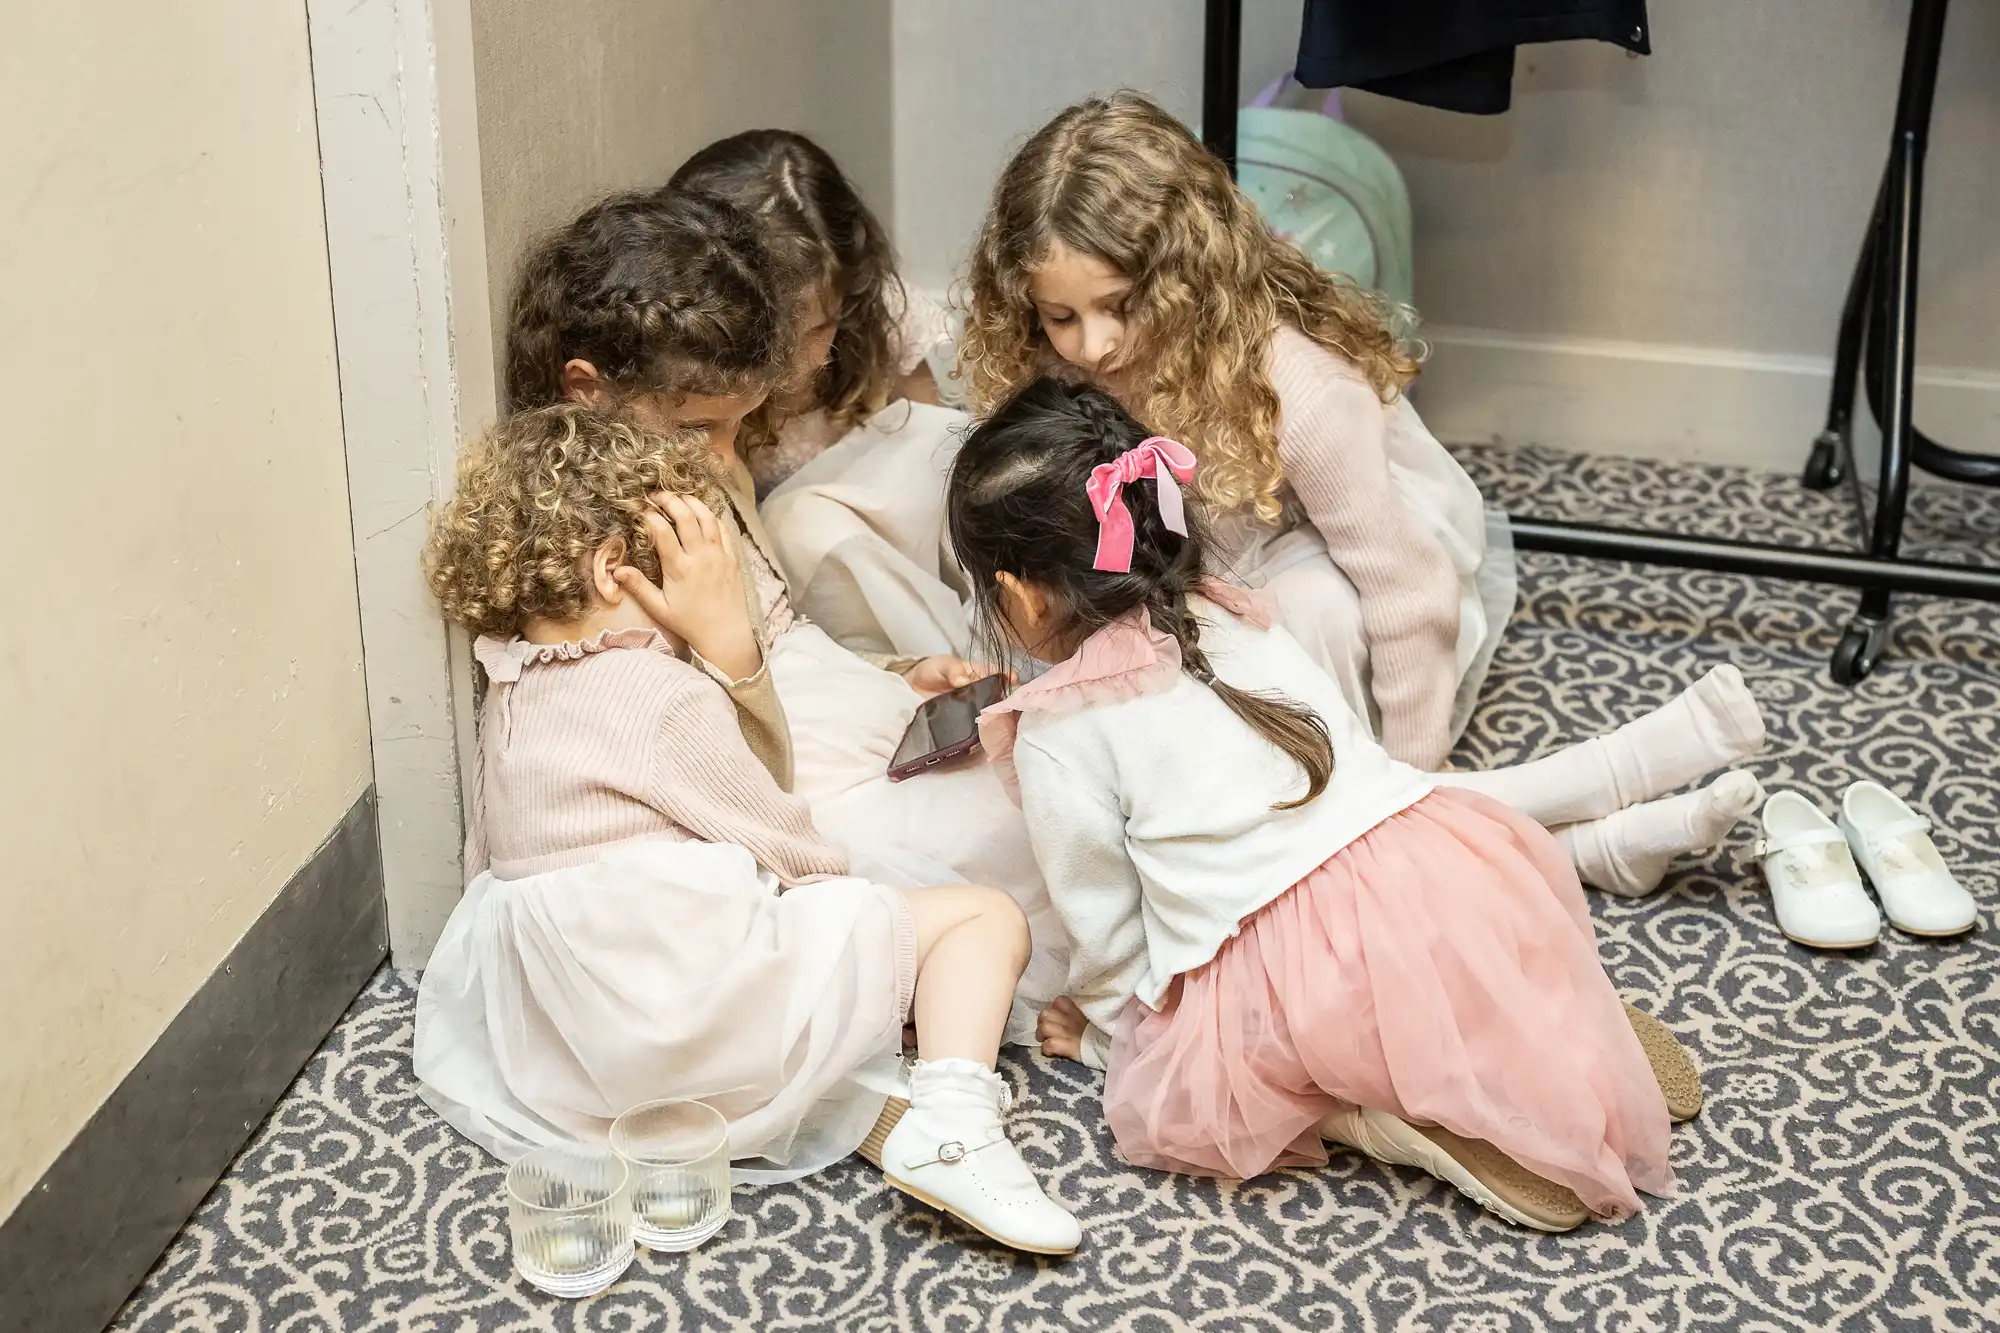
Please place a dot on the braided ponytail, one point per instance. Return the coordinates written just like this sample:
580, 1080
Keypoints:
1287, 724
1018, 505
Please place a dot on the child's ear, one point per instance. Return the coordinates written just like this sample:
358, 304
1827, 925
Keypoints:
581, 383
603, 562
1024, 601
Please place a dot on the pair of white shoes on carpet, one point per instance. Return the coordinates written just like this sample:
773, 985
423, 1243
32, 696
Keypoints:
946, 1146
1814, 866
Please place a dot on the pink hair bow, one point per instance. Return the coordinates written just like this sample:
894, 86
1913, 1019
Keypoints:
1158, 457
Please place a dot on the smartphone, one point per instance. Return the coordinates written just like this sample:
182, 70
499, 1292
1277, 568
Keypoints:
946, 727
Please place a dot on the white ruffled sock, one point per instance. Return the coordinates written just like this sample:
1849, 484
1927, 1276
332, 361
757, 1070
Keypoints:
1627, 853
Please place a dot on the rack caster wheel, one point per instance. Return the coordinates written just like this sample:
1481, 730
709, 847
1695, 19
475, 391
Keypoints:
1859, 650
1823, 471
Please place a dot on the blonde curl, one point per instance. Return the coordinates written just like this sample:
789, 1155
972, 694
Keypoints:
542, 492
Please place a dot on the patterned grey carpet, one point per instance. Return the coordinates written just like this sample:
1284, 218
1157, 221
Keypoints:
1846, 1173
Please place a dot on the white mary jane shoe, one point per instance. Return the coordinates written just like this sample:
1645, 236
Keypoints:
950, 1150
1892, 842
1815, 884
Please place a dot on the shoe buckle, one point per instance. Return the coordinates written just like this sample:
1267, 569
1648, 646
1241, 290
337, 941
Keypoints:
953, 1151
949, 1153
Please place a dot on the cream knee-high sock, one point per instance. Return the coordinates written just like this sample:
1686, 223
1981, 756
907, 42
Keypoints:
1627, 853
1710, 725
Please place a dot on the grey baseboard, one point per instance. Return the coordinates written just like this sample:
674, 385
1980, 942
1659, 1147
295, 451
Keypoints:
89, 1230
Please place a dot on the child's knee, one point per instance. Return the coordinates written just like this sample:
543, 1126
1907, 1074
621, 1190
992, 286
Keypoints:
971, 910
1004, 920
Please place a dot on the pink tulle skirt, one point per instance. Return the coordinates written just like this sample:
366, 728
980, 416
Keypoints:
1442, 968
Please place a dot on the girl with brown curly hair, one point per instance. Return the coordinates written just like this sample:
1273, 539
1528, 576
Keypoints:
650, 914
862, 337
1118, 244
663, 297
671, 307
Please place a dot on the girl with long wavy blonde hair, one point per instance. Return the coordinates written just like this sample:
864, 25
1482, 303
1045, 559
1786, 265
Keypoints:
1118, 244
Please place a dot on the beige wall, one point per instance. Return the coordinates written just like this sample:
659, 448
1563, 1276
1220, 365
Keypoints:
973, 79
181, 707
580, 99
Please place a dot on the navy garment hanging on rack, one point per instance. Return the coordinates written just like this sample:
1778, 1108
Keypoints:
1456, 55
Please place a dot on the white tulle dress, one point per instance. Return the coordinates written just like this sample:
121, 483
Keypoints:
625, 945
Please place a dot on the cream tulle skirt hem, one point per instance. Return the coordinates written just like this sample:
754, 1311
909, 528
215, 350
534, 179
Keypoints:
669, 969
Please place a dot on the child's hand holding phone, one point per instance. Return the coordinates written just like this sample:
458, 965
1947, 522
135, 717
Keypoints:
936, 675
946, 725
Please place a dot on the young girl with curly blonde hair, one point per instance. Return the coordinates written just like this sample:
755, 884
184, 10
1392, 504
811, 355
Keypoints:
1117, 243
651, 915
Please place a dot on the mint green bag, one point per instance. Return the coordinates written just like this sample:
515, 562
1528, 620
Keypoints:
1328, 188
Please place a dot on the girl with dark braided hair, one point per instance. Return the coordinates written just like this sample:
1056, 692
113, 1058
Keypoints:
664, 296
1279, 935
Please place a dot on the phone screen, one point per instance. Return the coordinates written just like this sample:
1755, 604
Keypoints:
948, 720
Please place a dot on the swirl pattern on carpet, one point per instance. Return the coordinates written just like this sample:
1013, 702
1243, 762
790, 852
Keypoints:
1845, 1173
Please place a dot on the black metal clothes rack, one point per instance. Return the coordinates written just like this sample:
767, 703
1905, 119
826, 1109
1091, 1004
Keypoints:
1876, 345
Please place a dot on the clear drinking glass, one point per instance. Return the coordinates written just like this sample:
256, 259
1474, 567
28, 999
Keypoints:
678, 1153
570, 1209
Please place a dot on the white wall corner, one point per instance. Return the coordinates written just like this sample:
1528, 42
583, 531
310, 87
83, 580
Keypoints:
1646, 400
399, 159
